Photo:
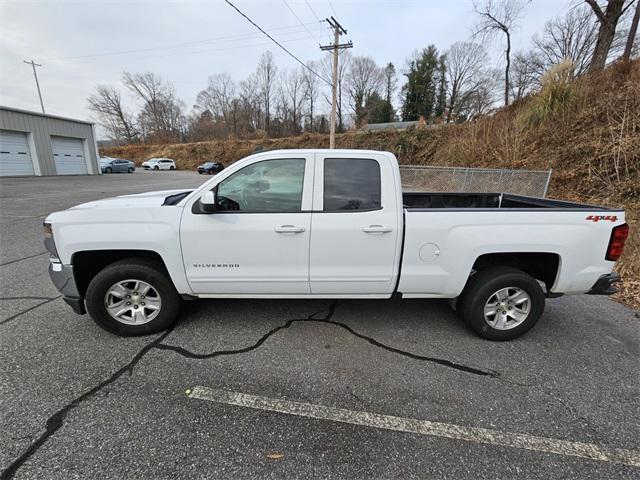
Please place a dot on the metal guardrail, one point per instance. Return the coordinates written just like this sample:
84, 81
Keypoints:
533, 183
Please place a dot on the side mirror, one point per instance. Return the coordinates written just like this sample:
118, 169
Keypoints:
209, 202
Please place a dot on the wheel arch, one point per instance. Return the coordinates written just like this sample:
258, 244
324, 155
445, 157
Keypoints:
87, 263
543, 266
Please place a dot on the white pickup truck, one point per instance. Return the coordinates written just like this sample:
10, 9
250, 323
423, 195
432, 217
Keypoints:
328, 224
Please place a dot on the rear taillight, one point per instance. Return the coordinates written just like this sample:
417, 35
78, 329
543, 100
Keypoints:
616, 243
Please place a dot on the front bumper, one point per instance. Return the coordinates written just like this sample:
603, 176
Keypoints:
604, 285
62, 277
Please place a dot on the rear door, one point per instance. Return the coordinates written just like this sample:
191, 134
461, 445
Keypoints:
356, 229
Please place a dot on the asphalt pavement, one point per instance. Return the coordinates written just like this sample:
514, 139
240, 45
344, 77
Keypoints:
299, 389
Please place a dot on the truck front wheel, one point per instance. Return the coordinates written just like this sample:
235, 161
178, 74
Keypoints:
133, 297
501, 303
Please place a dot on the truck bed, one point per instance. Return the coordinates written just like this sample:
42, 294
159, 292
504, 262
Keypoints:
418, 201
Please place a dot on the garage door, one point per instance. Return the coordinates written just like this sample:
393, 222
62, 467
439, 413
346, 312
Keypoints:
15, 158
68, 155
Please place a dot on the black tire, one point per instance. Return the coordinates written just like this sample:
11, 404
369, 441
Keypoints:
156, 167
130, 170
108, 170
481, 287
172, 168
138, 269
200, 172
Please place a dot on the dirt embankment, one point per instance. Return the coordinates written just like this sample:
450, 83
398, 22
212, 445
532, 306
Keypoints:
587, 131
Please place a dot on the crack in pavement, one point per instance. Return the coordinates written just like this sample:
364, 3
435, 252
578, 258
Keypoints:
55, 421
13, 317
327, 319
28, 298
595, 435
21, 259
201, 356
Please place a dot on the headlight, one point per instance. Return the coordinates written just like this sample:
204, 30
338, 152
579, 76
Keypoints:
49, 242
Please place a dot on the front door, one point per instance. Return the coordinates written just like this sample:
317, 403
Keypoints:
356, 234
257, 243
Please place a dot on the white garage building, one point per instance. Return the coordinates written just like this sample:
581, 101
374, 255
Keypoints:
34, 143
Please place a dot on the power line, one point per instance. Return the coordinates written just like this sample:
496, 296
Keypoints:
192, 52
317, 18
312, 10
331, 7
299, 21
185, 44
278, 44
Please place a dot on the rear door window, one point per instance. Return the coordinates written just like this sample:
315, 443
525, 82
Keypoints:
351, 184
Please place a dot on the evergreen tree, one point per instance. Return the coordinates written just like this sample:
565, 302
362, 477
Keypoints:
378, 109
388, 113
441, 102
421, 89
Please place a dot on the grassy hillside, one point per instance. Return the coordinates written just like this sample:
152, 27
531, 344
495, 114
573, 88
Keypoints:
587, 131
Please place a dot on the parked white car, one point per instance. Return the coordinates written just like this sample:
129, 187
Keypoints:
159, 164
328, 224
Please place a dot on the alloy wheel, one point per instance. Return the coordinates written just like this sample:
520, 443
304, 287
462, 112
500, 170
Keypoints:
133, 302
507, 308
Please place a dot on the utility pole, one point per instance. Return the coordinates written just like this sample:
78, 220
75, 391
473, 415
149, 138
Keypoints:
336, 47
34, 65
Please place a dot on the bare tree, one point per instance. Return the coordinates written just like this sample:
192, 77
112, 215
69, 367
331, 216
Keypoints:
292, 92
632, 33
608, 22
465, 62
250, 104
499, 16
162, 115
527, 69
364, 79
570, 37
482, 98
218, 98
266, 75
311, 87
117, 122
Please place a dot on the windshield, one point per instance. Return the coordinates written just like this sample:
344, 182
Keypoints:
105, 160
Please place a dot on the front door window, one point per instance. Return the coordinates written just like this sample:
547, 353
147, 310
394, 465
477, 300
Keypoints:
267, 186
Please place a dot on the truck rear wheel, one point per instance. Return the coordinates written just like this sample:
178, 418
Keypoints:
501, 303
133, 297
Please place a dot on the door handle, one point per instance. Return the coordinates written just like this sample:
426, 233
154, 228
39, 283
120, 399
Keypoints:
289, 229
377, 229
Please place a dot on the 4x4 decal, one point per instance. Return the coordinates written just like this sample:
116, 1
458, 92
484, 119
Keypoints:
597, 218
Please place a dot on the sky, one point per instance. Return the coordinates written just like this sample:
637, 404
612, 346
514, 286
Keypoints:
83, 44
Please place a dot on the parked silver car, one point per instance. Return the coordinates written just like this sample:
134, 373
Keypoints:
113, 165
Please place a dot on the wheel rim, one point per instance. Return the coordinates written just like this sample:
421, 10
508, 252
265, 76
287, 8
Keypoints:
507, 308
133, 302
